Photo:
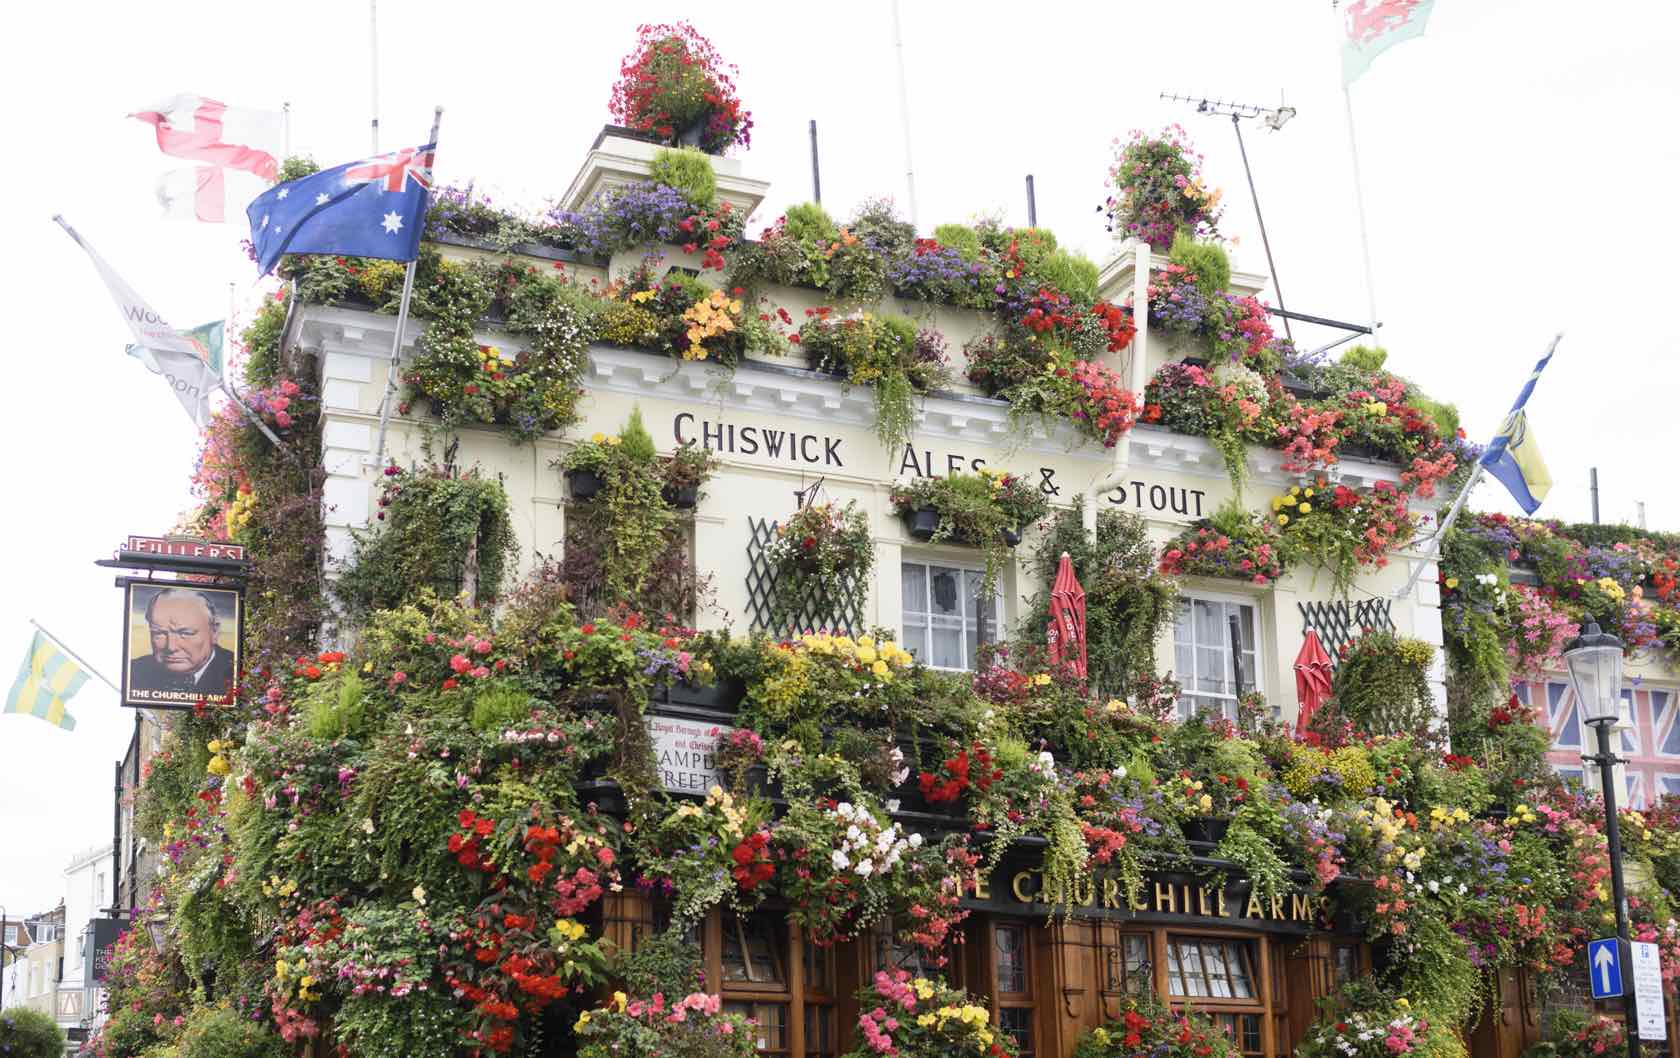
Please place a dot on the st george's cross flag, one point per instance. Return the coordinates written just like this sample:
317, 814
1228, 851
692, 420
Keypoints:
1371, 27
47, 680
181, 359
375, 207
228, 141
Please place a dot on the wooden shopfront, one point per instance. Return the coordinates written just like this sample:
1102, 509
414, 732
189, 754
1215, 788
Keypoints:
1255, 966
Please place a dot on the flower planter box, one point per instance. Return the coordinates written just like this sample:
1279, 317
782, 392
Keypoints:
584, 484
1206, 830
922, 523
683, 499
724, 695
1364, 452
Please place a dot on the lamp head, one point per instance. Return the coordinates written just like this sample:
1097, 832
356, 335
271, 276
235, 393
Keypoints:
1594, 659
1277, 119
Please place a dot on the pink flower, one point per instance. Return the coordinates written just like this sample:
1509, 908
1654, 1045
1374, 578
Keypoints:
460, 663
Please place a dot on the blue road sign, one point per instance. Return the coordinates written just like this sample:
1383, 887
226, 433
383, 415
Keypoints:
1604, 967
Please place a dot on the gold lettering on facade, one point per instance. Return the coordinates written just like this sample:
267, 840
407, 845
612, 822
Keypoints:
1087, 896
1018, 886
1254, 909
983, 888
1300, 907
1277, 908
1111, 893
1136, 900
1165, 894
1224, 912
1202, 907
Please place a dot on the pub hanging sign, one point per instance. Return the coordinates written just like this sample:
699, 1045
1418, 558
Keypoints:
1176, 899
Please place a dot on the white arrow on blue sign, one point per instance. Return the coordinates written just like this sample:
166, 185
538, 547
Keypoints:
1604, 967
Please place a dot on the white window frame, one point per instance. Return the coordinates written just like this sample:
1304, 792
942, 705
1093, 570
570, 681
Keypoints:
928, 562
1255, 680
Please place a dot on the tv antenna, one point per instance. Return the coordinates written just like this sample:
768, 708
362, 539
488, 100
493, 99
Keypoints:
1274, 118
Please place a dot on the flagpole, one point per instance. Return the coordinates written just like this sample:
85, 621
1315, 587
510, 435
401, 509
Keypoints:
83, 662
391, 370
1435, 539
373, 48
286, 133
904, 110
1359, 203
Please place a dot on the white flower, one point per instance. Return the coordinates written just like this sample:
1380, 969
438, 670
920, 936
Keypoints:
898, 778
896, 756
853, 833
915, 841
1046, 762
419, 894
1119, 771
839, 859
844, 810
892, 804
865, 868
1434, 886
367, 826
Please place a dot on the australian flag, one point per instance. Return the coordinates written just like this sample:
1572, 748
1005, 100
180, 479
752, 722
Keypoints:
372, 208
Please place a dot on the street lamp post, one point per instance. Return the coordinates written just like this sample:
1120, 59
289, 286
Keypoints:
1595, 674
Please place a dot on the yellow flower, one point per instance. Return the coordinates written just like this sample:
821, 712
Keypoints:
1452, 582
598, 437
879, 668
1402, 1003
612, 442
1305, 508
1308, 493
1042, 679
583, 1019
1294, 490
1206, 803
1283, 519
620, 1001
866, 654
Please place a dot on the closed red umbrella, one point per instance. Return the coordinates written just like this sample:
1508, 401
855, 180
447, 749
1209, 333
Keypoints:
1312, 678
1067, 618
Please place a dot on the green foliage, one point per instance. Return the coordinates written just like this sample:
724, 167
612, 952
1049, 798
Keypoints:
1365, 358
809, 223
29, 1033
336, 707
1073, 274
1444, 415
296, 168
961, 238
984, 509
443, 533
261, 339
214, 1032
666, 962
1206, 258
634, 437
687, 170
1382, 684
499, 706
1128, 604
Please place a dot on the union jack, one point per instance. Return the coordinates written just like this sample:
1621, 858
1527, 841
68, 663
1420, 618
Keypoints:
1650, 743
396, 169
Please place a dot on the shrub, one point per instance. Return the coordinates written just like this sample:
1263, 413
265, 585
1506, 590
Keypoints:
1382, 684
336, 709
961, 238
687, 170
212, 1032
26, 1033
1073, 274
1365, 357
1207, 259
810, 223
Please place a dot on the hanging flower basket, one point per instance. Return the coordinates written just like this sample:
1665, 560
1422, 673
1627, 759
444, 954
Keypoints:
584, 484
922, 522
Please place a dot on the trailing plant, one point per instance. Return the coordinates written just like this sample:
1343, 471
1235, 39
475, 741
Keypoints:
1128, 603
1340, 529
464, 381
879, 351
1158, 190
444, 532
675, 84
1382, 684
1233, 542
813, 557
988, 509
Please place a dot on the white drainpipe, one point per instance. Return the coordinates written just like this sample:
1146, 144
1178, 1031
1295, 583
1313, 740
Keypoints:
1116, 474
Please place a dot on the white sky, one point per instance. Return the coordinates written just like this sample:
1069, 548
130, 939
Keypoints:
1519, 166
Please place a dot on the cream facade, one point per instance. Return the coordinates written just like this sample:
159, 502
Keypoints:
779, 429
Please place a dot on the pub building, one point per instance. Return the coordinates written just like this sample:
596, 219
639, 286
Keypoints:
1201, 939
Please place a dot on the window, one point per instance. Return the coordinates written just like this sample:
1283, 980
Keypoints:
1126, 966
1203, 656
772, 974
1220, 976
1012, 976
889, 954
11, 934
1344, 963
945, 620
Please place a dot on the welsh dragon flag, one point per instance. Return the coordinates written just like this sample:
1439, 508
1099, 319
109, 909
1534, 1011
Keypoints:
1371, 27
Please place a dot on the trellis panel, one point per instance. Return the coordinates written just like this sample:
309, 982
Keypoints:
1339, 623
818, 611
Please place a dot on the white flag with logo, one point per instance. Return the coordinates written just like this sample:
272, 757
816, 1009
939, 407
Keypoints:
163, 349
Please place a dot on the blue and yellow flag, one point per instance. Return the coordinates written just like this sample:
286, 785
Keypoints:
47, 680
1513, 457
